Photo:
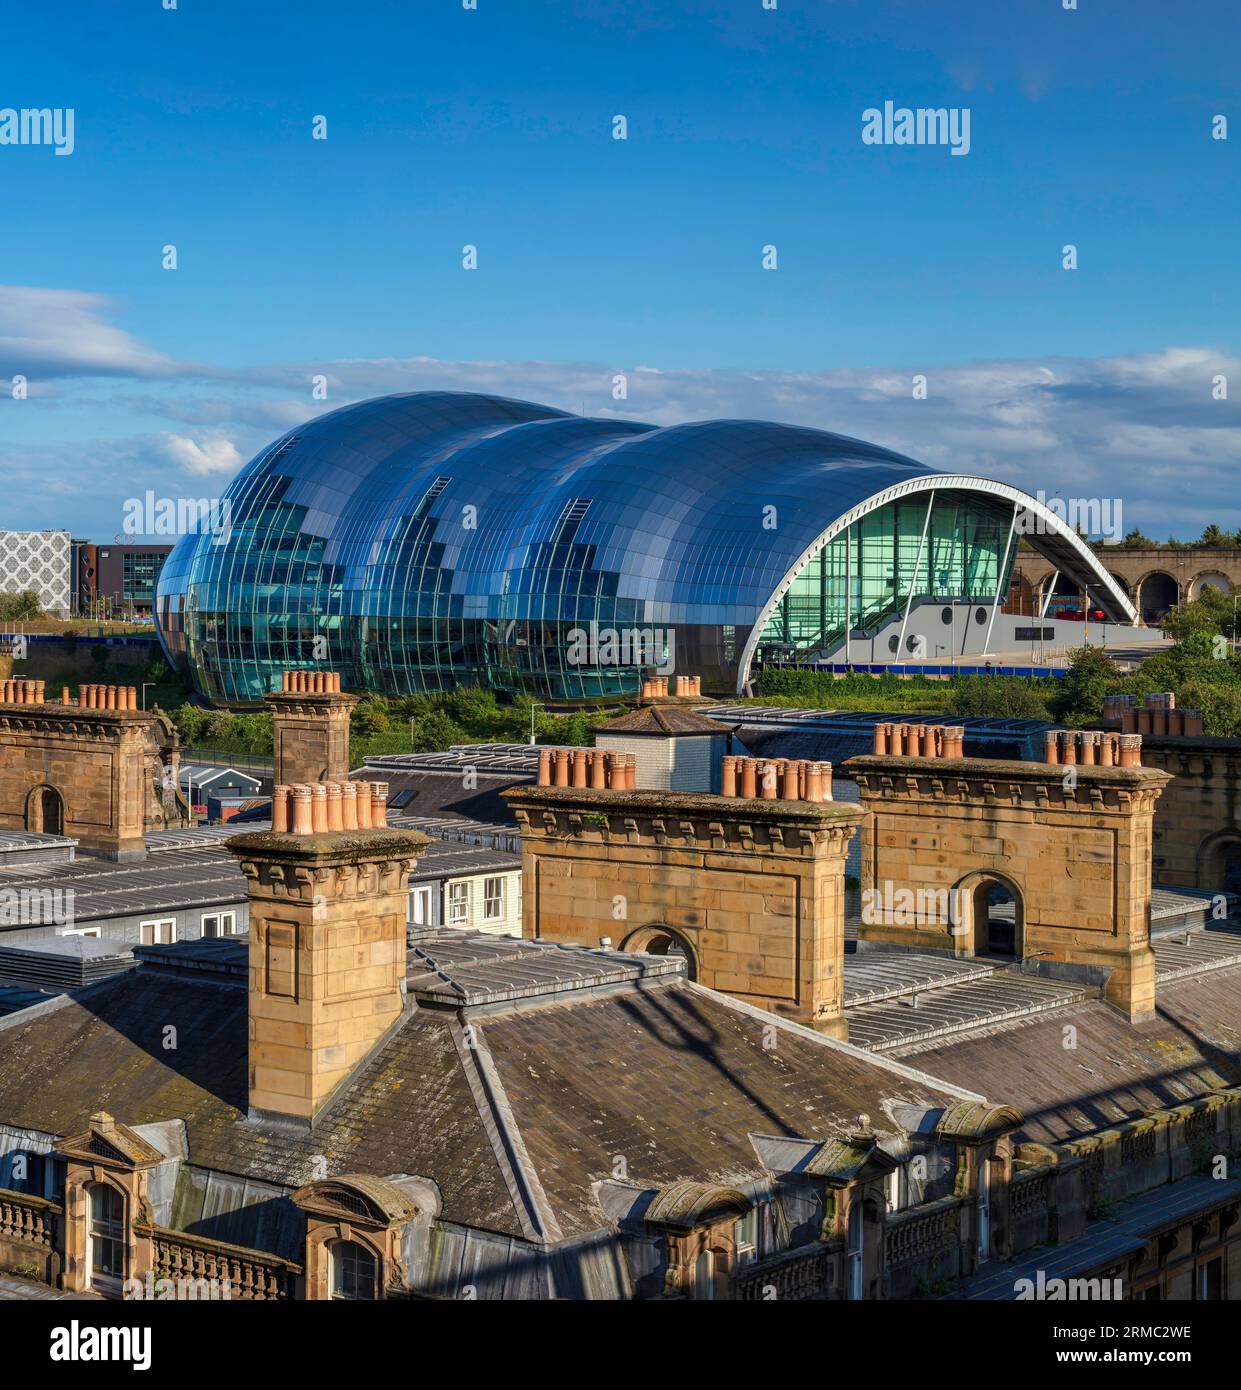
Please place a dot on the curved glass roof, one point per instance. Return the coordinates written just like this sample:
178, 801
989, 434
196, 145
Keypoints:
423, 540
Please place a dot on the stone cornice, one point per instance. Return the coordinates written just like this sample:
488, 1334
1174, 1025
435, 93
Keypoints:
75, 721
690, 820
307, 703
336, 864
973, 781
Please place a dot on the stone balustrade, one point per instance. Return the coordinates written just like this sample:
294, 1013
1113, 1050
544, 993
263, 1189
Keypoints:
240, 1273
799, 1275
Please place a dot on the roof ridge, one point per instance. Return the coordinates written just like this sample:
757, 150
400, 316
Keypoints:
530, 1202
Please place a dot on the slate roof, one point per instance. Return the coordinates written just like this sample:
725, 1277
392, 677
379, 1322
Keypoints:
441, 792
1116, 1072
834, 736
574, 1057
664, 721
197, 873
675, 1080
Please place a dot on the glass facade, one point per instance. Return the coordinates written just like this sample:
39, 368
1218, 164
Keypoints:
418, 542
141, 570
864, 575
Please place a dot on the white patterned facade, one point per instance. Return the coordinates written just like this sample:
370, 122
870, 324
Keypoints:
38, 560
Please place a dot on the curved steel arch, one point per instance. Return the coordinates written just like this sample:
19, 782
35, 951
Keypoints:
1087, 565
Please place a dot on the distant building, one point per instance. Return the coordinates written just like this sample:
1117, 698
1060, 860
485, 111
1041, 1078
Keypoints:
120, 576
41, 561
745, 540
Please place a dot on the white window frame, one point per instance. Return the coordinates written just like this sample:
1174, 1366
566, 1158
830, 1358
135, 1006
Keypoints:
458, 895
154, 925
856, 1249
498, 901
82, 931
422, 905
745, 1236
219, 918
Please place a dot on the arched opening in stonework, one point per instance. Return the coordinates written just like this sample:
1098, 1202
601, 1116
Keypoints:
1212, 579
662, 941
1157, 593
1219, 863
992, 904
1021, 596
45, 811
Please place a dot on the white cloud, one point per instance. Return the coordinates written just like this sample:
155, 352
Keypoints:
211, 455
1143, 426
56, 333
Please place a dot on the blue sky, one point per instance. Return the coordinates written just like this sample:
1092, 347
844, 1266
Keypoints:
493, 127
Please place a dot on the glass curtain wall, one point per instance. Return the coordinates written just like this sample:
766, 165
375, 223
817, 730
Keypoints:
864, 574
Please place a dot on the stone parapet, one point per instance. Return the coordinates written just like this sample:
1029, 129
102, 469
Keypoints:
101, 775
1198, 820
752, 891
1072, 846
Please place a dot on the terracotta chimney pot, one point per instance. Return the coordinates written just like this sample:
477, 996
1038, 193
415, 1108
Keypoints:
789, 775
1131, 750
334, 819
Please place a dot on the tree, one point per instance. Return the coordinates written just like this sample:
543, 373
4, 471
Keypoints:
474, 709
20, 606
1214, 537
369, 717
1136, 540
191, 722
436, 732
1079, 694
1207, 613
1002, 697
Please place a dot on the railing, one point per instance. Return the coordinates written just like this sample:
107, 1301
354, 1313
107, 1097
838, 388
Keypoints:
794, 1276
922, 1231
1200, 1127
227, 757
1029, 1193
27, 1220
243, 1273
1139, 1145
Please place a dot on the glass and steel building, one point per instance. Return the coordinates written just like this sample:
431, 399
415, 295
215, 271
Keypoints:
425, 541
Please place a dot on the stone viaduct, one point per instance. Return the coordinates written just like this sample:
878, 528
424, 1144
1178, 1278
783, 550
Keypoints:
1155, 580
